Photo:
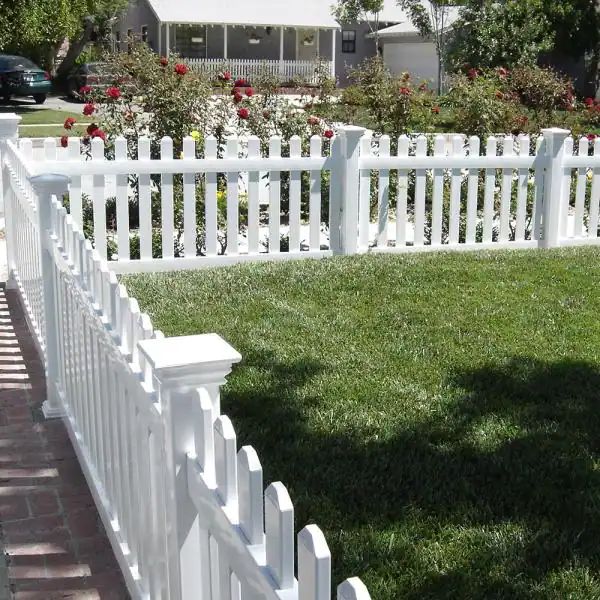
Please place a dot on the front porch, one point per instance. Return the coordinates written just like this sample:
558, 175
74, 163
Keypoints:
289, 53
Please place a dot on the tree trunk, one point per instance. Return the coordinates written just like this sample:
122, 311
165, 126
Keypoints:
75, 49
592, 74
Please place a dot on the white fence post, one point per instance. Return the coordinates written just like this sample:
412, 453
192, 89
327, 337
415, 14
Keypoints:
348, 174
9, 130
555, 205
180, 366
46, 186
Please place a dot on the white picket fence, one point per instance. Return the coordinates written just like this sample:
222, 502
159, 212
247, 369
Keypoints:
248, 68
184, 509
453, 198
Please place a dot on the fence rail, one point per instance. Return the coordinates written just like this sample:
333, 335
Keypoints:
183, 507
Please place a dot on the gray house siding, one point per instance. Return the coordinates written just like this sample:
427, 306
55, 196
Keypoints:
365, 47
139, 14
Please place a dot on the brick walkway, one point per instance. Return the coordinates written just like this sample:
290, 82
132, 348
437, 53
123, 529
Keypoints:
53, 541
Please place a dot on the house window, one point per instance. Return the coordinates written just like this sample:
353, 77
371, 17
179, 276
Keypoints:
144, 33
349, 41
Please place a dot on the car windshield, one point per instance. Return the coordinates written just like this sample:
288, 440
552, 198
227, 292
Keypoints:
16, 62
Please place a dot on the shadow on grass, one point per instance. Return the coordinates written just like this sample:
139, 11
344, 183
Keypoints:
518, 447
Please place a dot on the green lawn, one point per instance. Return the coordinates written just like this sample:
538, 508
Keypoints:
437, 415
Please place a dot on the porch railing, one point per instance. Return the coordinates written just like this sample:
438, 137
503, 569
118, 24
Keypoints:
286, 70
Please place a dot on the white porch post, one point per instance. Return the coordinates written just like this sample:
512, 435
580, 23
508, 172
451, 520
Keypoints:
333, 34
281, 32
225, 41
168, 40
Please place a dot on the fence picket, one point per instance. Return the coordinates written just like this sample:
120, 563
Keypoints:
232, 150
383, 194
314, 565
253, 198
295, 195
420, 188
522, 187
75, 204
489, 193
189, 201
439, 149
211, 200
506, 192
314, 208
122, 200
595, 195
455, 193
580, 193
279, 521
274, 198
402, 195
472, 190
250, 489
166, 201
364, 202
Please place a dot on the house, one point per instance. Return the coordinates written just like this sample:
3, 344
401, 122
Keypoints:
285, 37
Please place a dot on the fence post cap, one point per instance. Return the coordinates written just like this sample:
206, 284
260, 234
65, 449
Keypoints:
50, 183
190, 360
352, 130
555, 131
9, 125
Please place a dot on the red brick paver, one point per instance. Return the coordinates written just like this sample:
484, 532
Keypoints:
54, 544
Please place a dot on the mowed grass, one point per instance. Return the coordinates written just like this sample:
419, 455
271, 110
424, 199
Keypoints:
438, 416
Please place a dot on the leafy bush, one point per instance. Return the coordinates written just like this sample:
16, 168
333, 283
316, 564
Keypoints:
395, 105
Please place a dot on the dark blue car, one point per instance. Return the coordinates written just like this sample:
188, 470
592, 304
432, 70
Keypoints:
21, 77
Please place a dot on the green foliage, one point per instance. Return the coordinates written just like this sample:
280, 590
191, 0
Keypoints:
395, 105
37, 28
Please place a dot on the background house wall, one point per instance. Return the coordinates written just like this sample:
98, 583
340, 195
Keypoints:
365, 47
414, 54
137, 15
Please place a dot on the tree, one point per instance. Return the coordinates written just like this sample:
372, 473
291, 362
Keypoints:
491, 33
44, 25
349, 11
431, 17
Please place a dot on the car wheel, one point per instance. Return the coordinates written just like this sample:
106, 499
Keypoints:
39, 98
5, 99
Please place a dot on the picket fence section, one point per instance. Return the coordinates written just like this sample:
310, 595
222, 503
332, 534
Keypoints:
454, 194
285, 70
183, 507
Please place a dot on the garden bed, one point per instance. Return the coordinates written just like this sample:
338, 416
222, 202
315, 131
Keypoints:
436, 415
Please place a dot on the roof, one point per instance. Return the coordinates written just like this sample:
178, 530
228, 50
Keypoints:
301, 13
404, 27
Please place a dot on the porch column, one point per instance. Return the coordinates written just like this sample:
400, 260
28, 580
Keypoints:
168, 40
281, 69
333, 34
225, 41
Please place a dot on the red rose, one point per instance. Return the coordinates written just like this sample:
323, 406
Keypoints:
405, 91
591, 136
589, 102
472, 73
328, 133
181, 69
91, 128
240, 83
64, 141
113, 92
69, 122
243, 113
249, 92
98, 133
85, 90
237, 98
435, 110
312, 120
164, 61
89, 109
235, 90
226, 76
